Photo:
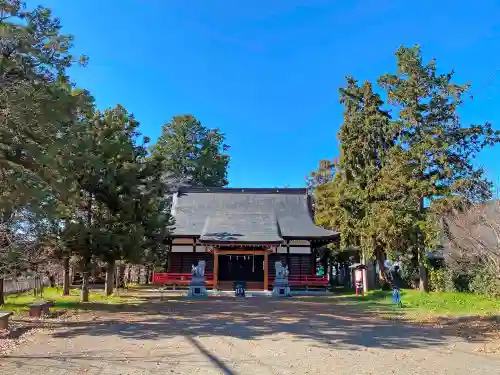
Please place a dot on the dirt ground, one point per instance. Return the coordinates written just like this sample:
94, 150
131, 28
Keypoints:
257, 336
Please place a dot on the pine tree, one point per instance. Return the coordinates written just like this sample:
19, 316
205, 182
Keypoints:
36, 102
37, 111
122, 208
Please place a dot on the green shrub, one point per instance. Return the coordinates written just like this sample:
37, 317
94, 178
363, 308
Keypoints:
410, 276
485, 282
437, 280
444, 279
441, 280
461, 281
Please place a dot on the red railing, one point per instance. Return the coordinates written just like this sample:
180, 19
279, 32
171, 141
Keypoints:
174, 278
305, 281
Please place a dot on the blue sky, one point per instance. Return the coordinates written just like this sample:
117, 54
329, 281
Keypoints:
268, 72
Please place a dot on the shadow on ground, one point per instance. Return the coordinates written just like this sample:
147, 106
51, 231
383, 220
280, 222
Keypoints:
94, 359
318, 320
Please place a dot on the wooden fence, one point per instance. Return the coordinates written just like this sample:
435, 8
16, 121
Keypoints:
21, 284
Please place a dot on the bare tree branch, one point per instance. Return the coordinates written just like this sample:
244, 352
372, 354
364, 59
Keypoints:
473, 237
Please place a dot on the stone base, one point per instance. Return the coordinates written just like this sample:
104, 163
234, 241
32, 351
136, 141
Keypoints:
281, 290
197, 287
197, 291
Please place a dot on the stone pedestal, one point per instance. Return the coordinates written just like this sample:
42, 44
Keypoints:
281, 288
197, 287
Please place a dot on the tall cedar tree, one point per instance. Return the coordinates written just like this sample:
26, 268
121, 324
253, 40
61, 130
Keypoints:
323, 174
377, 197
434, 162
351, 201
192, 154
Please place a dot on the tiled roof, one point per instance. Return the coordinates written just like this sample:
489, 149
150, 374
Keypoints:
245, 215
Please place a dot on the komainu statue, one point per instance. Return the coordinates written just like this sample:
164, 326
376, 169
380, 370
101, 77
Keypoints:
198, 270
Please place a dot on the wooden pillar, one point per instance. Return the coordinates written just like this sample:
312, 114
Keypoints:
266, 270
216, 268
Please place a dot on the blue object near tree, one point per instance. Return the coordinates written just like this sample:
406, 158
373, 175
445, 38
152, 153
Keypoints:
396, 296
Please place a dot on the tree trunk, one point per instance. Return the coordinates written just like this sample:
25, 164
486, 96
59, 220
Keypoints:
66, 278
84, 295
337, 273
422, 273
35, 286
110, 274
423, 284
2, 301
382, 277
365, 273
52, 281
121, 276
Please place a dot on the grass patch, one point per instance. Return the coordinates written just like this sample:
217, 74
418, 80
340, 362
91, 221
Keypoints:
450, 304
18, 303
418, 304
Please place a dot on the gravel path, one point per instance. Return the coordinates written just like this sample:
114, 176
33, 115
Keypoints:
254, 336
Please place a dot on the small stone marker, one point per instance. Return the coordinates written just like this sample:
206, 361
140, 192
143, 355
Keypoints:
38, 308
4, 319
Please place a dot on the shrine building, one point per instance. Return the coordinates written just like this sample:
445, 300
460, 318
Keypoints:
240, 233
